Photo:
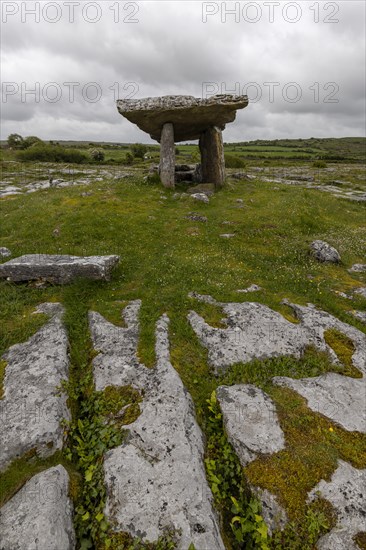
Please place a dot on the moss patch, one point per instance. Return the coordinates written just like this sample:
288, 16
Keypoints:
360, 540
2, 377
313, 446
344, 348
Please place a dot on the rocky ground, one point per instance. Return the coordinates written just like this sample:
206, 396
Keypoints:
115, 392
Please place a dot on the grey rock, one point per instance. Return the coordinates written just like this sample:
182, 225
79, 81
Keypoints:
117, 363
156, 479
227, 235
340, 398
60, 269
251, 288
39, 516
253, 429
251, 421
32, 408
206, 188
358, 268
254, 331
323, 252
272, 512
4, 252
360, 315
239, 201
190, 116
202, 197
361, 291
346, 492
196, 217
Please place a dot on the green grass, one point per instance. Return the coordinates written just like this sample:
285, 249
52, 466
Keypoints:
164, 256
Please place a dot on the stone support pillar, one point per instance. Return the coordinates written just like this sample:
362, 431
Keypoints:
167, 155
212, 157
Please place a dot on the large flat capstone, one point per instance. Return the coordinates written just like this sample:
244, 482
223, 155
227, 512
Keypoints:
39, 516
346, 492
60, 269
190, 116
156, 479
33, 407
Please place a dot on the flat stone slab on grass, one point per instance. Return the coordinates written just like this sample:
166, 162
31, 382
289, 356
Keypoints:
340, 398
32, 408
39, 516
254, 331
156, 479
60, 269
190, 116
346, 492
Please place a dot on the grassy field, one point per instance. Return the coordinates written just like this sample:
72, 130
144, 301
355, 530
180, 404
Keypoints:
164, 257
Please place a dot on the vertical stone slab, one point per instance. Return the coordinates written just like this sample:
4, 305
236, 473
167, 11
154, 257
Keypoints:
212, 157
167, 156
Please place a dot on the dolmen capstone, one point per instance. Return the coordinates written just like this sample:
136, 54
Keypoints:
173, 118
58, 269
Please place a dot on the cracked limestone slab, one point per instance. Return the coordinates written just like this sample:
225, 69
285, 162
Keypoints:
340, 398
346, 492
156, 479
56, 268
32, 407
254, 331
253, 429
117, 363
39, 516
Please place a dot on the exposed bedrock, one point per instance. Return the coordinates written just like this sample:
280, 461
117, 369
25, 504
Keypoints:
346, 492
254, 331
156, 479
33, 407
39, 516
253, 429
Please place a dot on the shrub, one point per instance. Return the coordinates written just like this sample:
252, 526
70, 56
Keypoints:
319, 164
52, 153
231, 161
138, 150
31, 141
128, 159
97, 155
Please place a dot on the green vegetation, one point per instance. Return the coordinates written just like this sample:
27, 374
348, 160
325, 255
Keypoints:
52, 153
164, 256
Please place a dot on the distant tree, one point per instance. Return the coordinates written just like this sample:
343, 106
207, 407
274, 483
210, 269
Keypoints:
15, 141
138, 150
30, 141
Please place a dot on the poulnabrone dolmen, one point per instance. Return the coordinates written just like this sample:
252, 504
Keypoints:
175, 118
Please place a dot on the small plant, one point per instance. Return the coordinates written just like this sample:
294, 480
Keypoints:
232, 497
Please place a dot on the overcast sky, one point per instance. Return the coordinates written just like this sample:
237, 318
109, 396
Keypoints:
302, 64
